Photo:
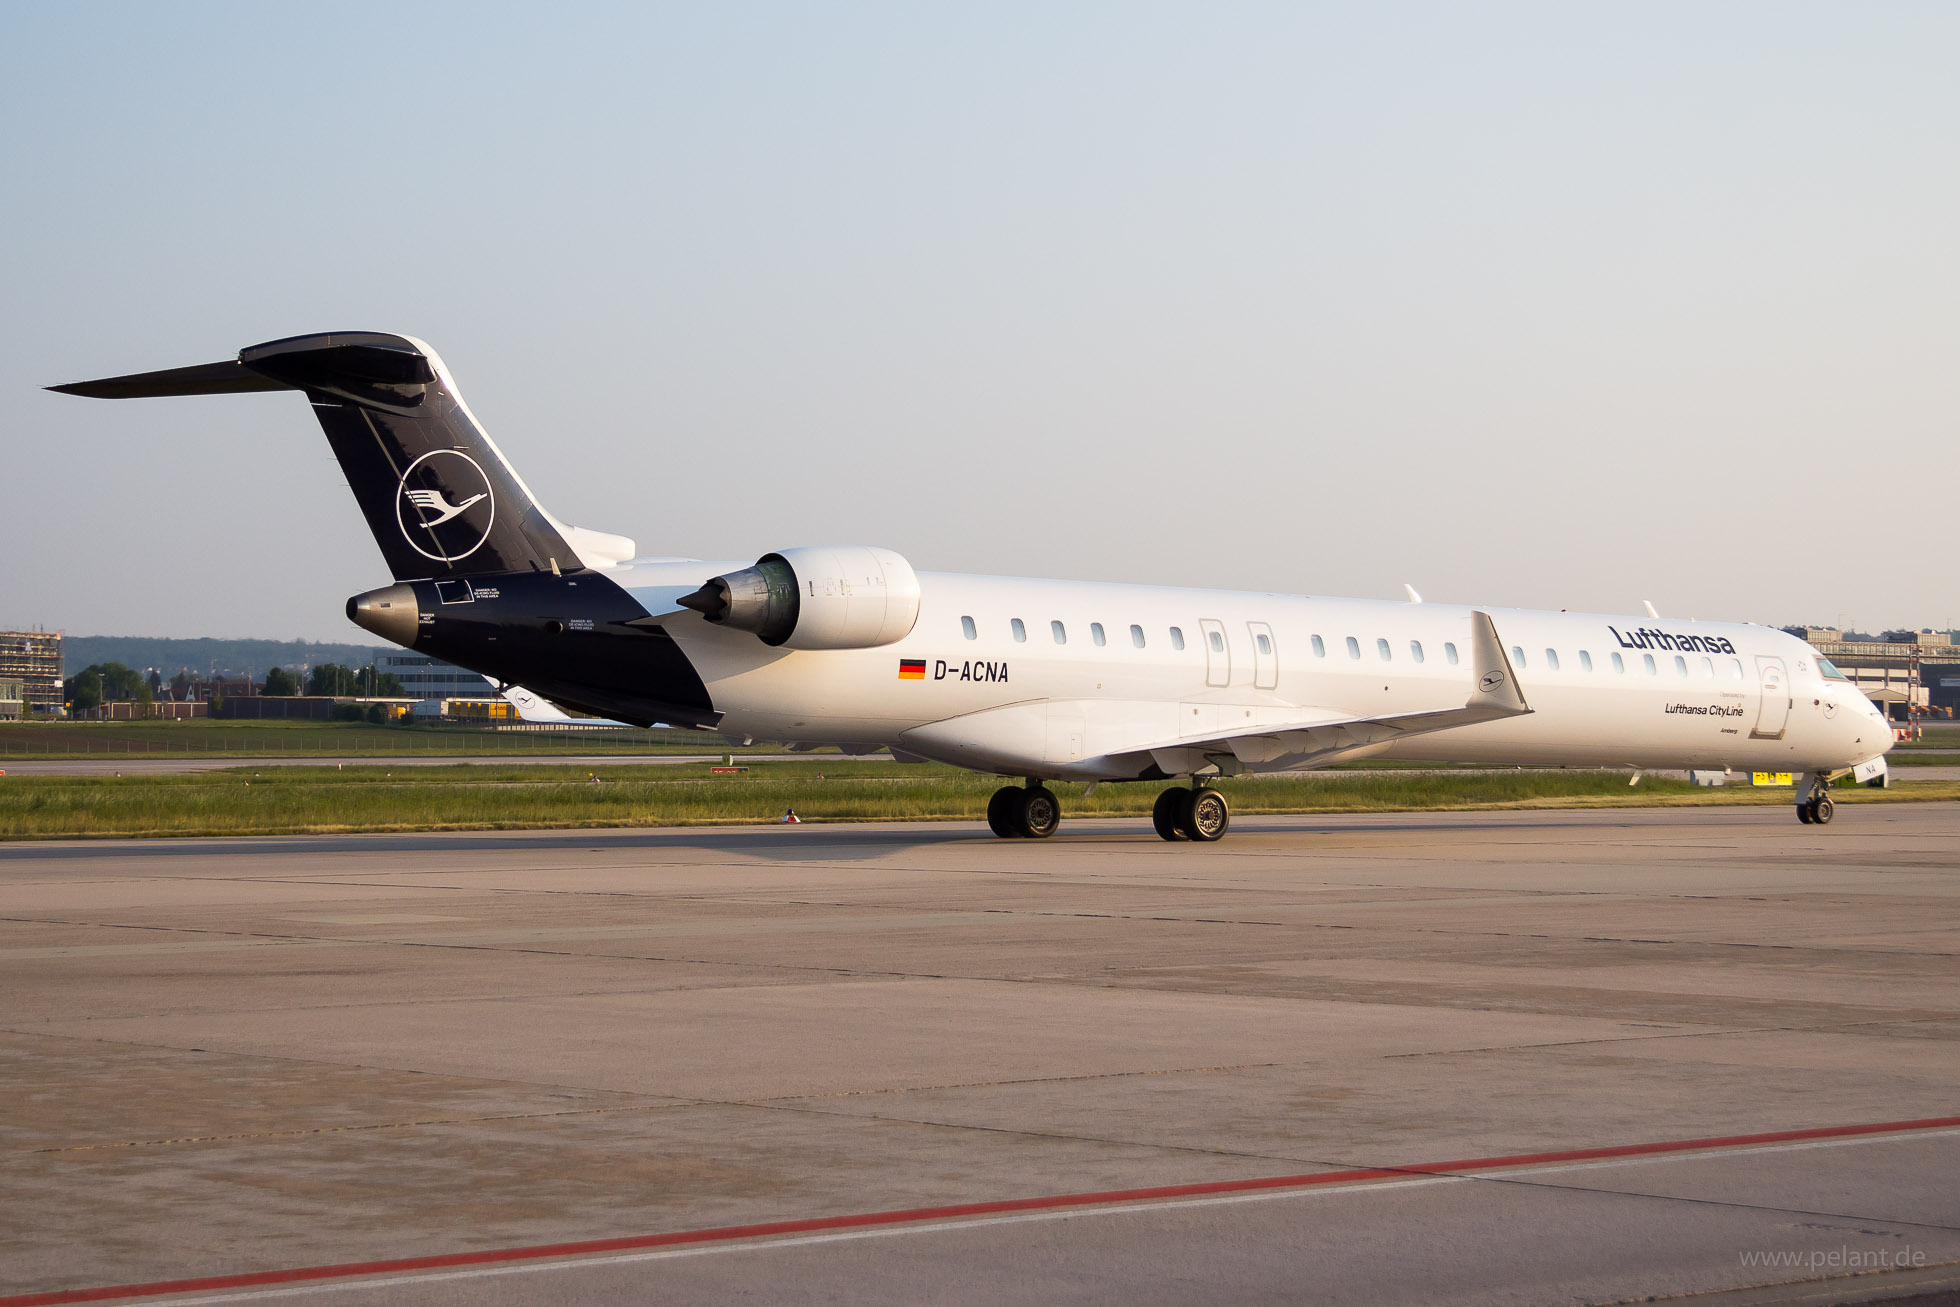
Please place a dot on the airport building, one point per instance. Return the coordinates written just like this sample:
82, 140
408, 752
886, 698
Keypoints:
33, 658
442, 689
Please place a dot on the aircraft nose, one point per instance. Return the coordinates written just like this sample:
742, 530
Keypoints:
1875, 720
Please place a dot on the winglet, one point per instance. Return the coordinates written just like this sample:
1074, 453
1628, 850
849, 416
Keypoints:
1497, 681
1410, 590
1648, 604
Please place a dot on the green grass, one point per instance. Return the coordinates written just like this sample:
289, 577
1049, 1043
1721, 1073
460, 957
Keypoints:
206, 738
306, 800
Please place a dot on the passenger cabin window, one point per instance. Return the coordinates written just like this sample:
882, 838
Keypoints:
1136, 636
1020, 631
1619, 663
1680, 665
1415, 650
1059, 631
1708, 669
1217, 642
1735, 669
1096, 635
1177, 638
1449, 651
1649, 660
1381, 649
1265, 644
1585, 661
1354, 647
1319, 647
972, 631
1517, 654
1551, 659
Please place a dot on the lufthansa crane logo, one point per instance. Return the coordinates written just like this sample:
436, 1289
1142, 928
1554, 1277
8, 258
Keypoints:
445, 505
1490, 681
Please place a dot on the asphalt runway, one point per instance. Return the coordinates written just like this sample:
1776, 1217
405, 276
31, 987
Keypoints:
1464, 1058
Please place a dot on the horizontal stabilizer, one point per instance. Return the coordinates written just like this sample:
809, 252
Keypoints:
438, 495
229, 377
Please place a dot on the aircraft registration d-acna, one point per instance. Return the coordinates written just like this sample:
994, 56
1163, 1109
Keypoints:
1041, 680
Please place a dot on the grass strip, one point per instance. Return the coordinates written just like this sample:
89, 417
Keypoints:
204, 738
308, 800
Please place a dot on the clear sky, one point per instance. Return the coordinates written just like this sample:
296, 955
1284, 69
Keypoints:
1557, 305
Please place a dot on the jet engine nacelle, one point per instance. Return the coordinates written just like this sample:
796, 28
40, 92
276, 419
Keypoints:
834, 597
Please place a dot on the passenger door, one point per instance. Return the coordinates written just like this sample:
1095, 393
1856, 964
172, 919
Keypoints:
1774, 712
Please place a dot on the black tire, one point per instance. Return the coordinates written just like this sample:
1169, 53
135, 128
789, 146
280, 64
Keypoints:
1805, 813
1002, 812
1825, 811
1206, 817
1038, 814
1170, 804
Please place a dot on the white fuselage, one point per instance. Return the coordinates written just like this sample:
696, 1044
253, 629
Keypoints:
1014, 679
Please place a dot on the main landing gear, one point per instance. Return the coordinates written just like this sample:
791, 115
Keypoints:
1195, 814
1032, 813
1814, 806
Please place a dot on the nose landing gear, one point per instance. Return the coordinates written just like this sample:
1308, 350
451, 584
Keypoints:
1196, 814
1031, 813
1814, 806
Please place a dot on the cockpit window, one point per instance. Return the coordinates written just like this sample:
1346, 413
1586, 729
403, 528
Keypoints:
1830, 673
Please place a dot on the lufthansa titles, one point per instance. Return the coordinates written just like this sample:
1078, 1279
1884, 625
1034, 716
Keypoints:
1648, 637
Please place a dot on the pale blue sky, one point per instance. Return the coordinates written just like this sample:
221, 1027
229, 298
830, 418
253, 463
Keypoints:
1543, 304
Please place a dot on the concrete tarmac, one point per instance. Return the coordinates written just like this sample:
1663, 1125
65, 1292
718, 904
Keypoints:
237, 1056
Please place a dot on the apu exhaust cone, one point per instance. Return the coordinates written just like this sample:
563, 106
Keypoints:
390, 612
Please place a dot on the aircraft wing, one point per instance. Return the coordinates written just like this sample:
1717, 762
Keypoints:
1326, 737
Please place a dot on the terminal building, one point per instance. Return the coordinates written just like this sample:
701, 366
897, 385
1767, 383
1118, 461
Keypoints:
33, 658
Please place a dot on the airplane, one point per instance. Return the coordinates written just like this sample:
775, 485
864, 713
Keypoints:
537, 710
1041, 680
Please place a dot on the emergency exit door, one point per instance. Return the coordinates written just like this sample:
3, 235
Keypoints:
1218, 652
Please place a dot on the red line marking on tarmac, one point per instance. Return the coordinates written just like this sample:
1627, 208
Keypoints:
723, 1234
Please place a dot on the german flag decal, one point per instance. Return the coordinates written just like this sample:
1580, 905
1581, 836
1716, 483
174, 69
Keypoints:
911, 669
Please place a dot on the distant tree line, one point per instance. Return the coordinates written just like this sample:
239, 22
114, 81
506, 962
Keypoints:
112, 682
213, 659
101, 683
331, 680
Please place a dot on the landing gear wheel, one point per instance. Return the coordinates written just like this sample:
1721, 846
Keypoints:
1037, 814
1002, 816
1165, 816
1804, 813
1822, 810
1205, 816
